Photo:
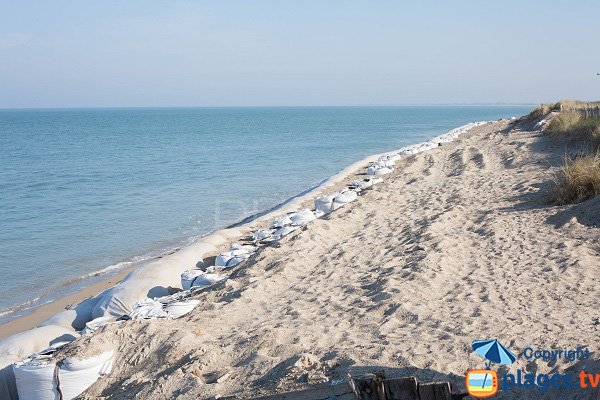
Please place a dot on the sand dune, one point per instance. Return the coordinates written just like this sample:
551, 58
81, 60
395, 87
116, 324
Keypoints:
457, 244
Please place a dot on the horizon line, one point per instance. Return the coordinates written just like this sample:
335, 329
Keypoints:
272, 106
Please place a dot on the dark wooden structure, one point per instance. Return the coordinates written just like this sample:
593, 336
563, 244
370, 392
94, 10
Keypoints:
371, 387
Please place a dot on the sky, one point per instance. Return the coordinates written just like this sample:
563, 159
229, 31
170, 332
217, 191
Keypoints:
290, 53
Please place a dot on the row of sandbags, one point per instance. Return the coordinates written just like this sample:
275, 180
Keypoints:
289, 222
385, 163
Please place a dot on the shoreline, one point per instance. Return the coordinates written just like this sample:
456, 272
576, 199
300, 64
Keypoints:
34, 315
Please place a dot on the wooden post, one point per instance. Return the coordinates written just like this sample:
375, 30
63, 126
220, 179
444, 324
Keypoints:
369, 387
401, 389
435, 391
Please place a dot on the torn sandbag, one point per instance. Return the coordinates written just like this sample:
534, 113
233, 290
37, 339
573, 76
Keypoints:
302, 217
178, 309
196, 279
148, 309
261, 235
95, 324
280, 222
281, 232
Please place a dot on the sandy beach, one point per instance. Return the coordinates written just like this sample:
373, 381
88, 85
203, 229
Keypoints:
459, 243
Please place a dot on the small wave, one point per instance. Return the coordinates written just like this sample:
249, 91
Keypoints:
20, 307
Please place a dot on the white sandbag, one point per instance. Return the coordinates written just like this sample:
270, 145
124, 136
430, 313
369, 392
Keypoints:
455, 133
361, 184
419, 147
366, 183
344, 197
302, 217
77, 316
8, 386
18, 347
96, 324
42, 378
157, 278
324, 204
281, 232
206, 280
78, 375
386, 161
231, 258
245, 247
280, 222
336, 200
148, 309
187, 277
180, 308
379, 170
35, 380
200, 264
261, 235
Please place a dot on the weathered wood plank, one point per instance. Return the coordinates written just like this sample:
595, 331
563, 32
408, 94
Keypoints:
369, 387
435, 391
401, 389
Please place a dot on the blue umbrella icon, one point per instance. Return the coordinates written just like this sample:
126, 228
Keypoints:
493, 351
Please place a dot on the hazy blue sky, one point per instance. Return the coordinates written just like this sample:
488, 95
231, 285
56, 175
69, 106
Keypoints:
178, 53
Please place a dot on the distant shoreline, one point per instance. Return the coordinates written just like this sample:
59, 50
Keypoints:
268, 106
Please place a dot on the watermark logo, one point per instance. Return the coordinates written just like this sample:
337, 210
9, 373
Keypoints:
483, 383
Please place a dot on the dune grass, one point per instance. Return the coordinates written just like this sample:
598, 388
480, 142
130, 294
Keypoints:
574, 123
585, 109
578, 179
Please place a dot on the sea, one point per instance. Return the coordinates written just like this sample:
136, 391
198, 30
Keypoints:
87, 192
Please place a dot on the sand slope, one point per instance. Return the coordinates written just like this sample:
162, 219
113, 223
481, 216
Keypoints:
456, 245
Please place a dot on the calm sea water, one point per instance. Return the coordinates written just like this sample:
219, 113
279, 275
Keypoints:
86, 189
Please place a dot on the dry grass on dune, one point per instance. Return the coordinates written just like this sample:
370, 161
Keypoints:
574, 123
582, 108
578, 180
539, 112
